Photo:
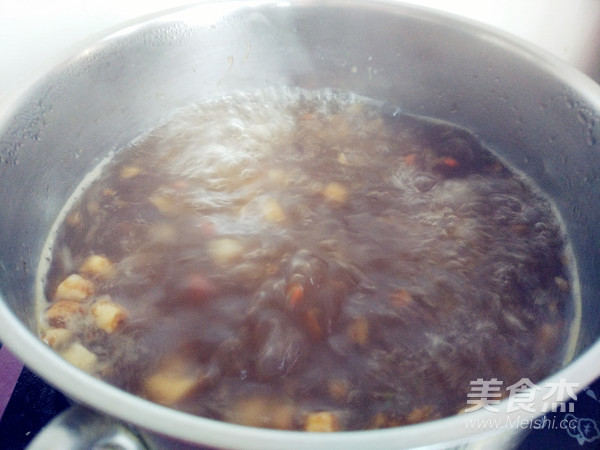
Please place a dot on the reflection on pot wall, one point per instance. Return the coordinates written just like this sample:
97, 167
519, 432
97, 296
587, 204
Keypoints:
568, 28
34, 33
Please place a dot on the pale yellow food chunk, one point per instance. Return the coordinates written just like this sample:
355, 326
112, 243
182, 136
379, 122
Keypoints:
263, 412
336, 193
324, 421
169, 387
97, 266
165, 204
562, 284
60, 313
272, 211
225, 251
108, 315
277, 177
80, 357
130, 172
342, 159
56, 337
74, 288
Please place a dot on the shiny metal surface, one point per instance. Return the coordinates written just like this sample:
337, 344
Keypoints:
569, 29
539, 114
34, 33
79, 428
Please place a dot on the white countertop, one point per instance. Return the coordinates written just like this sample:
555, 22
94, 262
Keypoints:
34, 34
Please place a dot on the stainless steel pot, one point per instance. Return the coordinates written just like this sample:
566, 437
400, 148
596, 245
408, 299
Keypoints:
540, 115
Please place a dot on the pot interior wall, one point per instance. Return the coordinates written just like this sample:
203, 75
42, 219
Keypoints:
116, 89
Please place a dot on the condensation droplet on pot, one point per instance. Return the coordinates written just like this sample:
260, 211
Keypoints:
591, 140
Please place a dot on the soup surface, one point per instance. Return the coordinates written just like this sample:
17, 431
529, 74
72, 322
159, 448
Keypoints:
307, 260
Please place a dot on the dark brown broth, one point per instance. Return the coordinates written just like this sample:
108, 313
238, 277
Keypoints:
290, 252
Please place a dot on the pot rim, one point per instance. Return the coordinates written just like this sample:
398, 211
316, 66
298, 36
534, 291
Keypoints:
108, 399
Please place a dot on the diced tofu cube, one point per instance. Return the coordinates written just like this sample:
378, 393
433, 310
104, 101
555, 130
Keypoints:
80, 357
324, 421
164, 203
57, 337
169, 387
272, 211
225, 251
342, 159
60, 313
97, 266
130, 172
74, 288
251, 412
263, 412
336, 193
108, 315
